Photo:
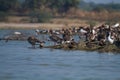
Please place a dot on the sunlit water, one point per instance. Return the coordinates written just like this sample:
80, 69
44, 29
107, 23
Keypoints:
19, 62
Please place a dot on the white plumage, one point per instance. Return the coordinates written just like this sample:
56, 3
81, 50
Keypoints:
116, 25
17, 33
93, 31
110, 39
37, 31
83, 31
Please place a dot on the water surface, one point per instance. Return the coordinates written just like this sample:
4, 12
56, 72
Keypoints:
19, 62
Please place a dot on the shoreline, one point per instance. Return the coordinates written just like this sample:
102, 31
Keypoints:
30, 26
109, 48
47, 26
79, 46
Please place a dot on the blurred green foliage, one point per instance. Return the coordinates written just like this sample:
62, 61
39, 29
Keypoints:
37, 10
39, 16
3, 16
43, 10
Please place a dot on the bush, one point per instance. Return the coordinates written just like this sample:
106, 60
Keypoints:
40, 16
3, 16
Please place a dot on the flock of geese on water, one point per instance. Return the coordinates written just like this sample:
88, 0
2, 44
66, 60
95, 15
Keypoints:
100, 35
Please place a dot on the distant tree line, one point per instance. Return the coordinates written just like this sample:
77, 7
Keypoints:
41, 10
36, 8
59, 5
91, 6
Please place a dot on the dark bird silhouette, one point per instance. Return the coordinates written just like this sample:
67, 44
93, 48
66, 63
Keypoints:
55, 38
32, 40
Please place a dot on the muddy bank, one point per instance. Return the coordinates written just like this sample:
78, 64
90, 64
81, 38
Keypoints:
82, 46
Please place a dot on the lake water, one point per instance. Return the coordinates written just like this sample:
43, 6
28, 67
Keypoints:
19, 62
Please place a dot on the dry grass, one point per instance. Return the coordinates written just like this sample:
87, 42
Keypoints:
100, 16
17, 19
74, 18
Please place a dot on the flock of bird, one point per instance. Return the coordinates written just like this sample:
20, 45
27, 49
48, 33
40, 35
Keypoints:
100, 35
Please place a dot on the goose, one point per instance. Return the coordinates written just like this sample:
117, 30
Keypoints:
116, 25
107, 26
17, 33
110, 39
93, 31
56, 32
55, 38
83, 31
32, 40
37, 31
66, 38
44, 31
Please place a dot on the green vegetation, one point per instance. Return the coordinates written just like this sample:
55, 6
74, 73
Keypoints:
3, 16
39, 16
6, 5
37, 10
99, 7
44, 10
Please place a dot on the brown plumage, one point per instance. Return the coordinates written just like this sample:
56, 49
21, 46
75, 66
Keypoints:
55, 38
32, 40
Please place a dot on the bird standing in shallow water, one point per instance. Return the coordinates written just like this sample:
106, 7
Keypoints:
32, 40
37, 31
56, 39
17, 33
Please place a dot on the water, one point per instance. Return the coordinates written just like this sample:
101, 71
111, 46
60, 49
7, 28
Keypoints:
19, 62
